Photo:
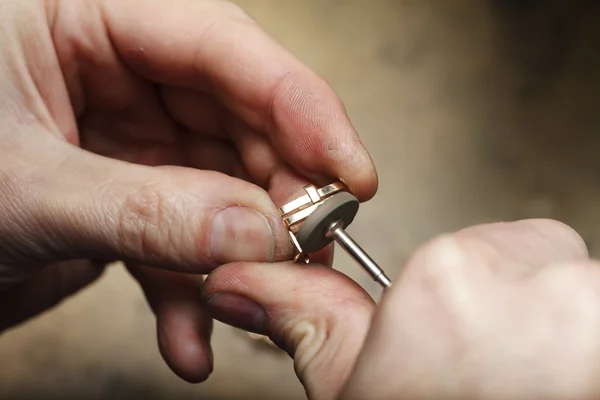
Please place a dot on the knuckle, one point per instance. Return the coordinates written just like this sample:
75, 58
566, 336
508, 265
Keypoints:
229, 11
234, 10
15, 176
20, 214
226, 9
9, 184
563, 235
447, 257
16, 183
148, 220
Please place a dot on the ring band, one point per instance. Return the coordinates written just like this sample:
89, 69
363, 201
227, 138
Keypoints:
296, 211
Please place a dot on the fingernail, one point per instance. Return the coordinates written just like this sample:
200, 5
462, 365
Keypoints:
241, 234
237, 311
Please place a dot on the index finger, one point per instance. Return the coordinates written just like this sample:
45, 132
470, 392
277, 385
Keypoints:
215, 47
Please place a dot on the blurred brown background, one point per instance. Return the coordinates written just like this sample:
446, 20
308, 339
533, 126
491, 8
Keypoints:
473, 110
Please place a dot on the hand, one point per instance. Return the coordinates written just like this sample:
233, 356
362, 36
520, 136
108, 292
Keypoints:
500, 311
160, 133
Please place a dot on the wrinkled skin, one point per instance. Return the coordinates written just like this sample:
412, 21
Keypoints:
165, 133
161, 133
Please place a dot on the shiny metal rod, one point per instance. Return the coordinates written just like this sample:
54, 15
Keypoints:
358, 254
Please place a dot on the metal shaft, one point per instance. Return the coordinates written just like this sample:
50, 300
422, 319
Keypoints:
357, 253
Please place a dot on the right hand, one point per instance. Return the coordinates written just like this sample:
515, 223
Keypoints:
506, 310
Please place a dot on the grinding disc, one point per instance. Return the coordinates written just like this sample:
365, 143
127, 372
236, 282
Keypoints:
312, 233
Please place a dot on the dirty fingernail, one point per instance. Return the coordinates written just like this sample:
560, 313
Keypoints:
241, 234
237, 311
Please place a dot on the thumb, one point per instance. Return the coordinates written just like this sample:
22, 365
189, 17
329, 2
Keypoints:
87, 206
318, 315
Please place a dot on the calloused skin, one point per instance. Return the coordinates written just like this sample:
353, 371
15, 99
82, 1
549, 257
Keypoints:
165, 134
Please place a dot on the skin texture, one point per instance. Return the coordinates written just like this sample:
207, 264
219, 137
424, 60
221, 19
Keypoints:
98, 97
160, 133
498, 311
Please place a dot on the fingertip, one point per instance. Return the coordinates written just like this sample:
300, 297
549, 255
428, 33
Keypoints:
184, 342
271, 285
183, 327
535, 241
318, 315
229, 276
362, 181
560, 232
309, 124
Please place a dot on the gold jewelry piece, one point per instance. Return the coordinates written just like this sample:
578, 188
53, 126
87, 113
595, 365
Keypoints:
320, 217
295, 212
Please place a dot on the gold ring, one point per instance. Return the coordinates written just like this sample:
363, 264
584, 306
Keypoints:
296, 211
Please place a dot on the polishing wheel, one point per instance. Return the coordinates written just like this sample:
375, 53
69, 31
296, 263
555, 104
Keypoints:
312, 235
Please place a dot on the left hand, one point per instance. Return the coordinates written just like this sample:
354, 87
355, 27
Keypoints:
195, 85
